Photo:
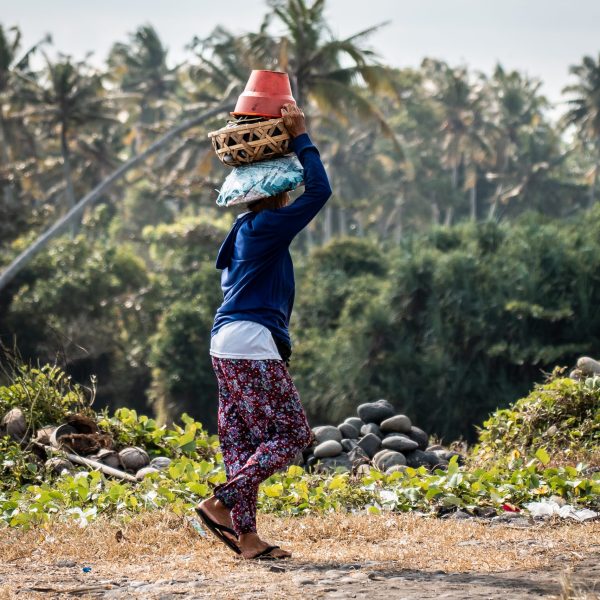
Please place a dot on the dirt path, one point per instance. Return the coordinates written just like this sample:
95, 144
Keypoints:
380, 558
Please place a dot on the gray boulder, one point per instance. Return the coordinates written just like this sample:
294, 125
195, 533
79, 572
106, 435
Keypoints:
328, 449
385, 459
348, 444
134, 458
325, 465
358, 457
399, 442
371, 428
160, 462
588, 366
145, 472
370, 444
418, 458
395, 468
348, 431
397, 423
325, 433
14, 424
355, 422
419, 436
375, 412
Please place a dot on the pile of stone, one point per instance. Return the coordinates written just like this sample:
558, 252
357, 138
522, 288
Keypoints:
377, 437
80, 441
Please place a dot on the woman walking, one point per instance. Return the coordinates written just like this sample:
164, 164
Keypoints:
261, 421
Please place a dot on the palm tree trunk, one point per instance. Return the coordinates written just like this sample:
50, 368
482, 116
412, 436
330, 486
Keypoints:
7, 190
343, 221
328, 224
75, 213
594, 184
70, 191
473, 202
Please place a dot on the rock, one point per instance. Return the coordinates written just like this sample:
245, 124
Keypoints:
328, 449
552, 430
65, 563
417, 458
400, 443
446, 455
395, 469
298, 460
160, 462
144, 472
348, 431
107, 457
419, 436
15, 424
310, 462
330, 463
588, 366
397, 423
371, 428
370, 444
325, 433
134, 458
42, 435
435, 447
355, 422
57, 465
385, 459
358, 457
348, 444
576, 374
375, 412
363, 470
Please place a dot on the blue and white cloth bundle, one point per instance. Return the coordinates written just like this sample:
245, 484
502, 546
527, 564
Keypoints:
255, 181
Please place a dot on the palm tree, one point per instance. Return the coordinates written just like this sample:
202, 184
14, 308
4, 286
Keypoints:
12, 64
464, 127
68, 99
584, 111
518, 111
76, 211
140, 70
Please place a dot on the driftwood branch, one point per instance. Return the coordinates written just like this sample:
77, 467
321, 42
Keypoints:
88, 462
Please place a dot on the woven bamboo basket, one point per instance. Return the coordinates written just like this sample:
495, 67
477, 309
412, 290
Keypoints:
248, 142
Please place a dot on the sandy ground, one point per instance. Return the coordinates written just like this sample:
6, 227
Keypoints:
160, 556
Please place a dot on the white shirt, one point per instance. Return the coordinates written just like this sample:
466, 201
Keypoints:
244, 339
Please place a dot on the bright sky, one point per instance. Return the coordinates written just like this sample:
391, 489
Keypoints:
540, 37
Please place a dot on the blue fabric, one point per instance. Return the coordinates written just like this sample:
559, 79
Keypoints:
260, 180
258, 275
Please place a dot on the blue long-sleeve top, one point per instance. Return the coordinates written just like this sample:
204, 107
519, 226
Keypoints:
258, 274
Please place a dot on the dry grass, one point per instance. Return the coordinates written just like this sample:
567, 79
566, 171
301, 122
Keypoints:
161, 545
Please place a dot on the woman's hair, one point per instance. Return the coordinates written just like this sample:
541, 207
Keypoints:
271, 203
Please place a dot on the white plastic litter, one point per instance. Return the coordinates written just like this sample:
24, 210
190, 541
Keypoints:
547, 508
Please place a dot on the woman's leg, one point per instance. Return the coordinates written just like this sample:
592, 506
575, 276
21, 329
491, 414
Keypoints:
269, 404
237, 444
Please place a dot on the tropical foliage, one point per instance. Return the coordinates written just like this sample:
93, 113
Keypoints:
29, 495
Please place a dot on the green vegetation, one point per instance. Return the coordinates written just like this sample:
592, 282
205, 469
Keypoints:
518, 474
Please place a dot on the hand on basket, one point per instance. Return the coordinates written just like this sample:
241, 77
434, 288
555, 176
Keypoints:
293, 120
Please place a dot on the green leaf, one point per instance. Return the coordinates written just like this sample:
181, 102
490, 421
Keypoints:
542, 456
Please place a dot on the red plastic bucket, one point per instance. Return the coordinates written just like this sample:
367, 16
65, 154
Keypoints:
264, 95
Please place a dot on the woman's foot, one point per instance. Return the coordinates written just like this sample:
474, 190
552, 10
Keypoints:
219, 513
251, 546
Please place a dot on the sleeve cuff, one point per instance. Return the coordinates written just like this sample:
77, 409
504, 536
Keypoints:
301, 143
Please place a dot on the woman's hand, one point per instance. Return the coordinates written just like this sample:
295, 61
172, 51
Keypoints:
293, 120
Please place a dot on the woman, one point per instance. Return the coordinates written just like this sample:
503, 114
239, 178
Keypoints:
262, 424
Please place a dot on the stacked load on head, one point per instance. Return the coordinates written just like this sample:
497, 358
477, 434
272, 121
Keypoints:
256, 134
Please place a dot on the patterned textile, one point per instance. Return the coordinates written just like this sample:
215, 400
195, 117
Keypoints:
262, 426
